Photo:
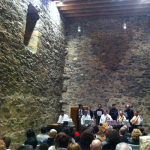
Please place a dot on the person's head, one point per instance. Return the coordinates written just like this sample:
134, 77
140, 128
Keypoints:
74, 146
7, 142
122, 131
83, 128
121, 113
89, 107
31, 141
2, 145
141, 129
43, 130
136, 133
30, 133
80, 106
96, 145
102, 130
108, 131
85, 112
52, 133
136, 113
127, 106
62, 140
123, 146
114, 137
113, 105
25, 147
99, 106
96, 129
43, 146
105, 112
62, 113
87, 137
69, 131
125, 127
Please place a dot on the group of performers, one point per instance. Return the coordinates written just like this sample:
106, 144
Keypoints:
102, 116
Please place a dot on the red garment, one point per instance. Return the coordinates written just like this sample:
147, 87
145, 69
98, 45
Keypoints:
77, 134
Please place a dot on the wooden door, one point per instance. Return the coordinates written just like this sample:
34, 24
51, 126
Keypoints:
73, 114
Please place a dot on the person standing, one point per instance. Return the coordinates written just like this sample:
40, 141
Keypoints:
113, 112
128, 113
90, 112
98, 114
80, 112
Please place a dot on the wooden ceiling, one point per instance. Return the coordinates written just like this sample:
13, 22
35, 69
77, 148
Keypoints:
78, 9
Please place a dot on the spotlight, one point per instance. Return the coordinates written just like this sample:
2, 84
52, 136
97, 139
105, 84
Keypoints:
124, 26
79, 29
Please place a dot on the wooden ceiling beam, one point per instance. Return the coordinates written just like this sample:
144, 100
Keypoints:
106, 10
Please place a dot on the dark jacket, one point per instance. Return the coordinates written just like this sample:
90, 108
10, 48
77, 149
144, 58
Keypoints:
91, 114
130, 114
109, 146
78, 113
84, 146
113, 113
124, 139
49, 141
134, 142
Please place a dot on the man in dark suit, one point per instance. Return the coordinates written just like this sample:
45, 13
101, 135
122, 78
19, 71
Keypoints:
80, 113
128, 113
113, 112
90, 112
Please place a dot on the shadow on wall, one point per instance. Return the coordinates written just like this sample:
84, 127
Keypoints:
32, 17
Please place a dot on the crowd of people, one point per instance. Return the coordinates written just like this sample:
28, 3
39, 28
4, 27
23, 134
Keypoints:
88, 138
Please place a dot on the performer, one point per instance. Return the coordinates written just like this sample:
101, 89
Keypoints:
98, 114
63, 117
80, 113
113, 112
136, 120
85, 117
121, 118
90, 112
128, 113
105, 117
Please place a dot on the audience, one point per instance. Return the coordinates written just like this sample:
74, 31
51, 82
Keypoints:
7, 142
86, 139
61, 141
43, 146
122, 133
135, 137
123, 146
2, 145
96, 130
25, 147
51, 139
142, 130
113, 140
102, 132
43, 136
31, 141
96, 145
30, 133
74, 146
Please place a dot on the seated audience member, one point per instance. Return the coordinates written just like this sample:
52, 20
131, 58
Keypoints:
63, 117
70, 132
136, 133
123, 146
74, 146
102, 132
127, 134
122, 133
113, 140
107, 136
30, 133
2, 145
25, 147
96, 145
61, 141
52, 135
83, 128
85, 117
86, 139
96, 130
7, 142
31, 141
43, 135
142, 130
43, 146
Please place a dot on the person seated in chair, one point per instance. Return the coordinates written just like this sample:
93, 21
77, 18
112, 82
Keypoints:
63, 117
122, 132
43, 136
85, 117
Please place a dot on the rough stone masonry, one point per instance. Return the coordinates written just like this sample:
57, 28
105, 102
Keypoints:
31, 73
106, 64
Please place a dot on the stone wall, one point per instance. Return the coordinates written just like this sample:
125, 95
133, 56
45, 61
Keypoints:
31, 76
106, 64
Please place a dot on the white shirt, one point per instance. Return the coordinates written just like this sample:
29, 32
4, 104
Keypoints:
42, 137
83, 118
103, 118
124, 119
139, 122
63, 118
